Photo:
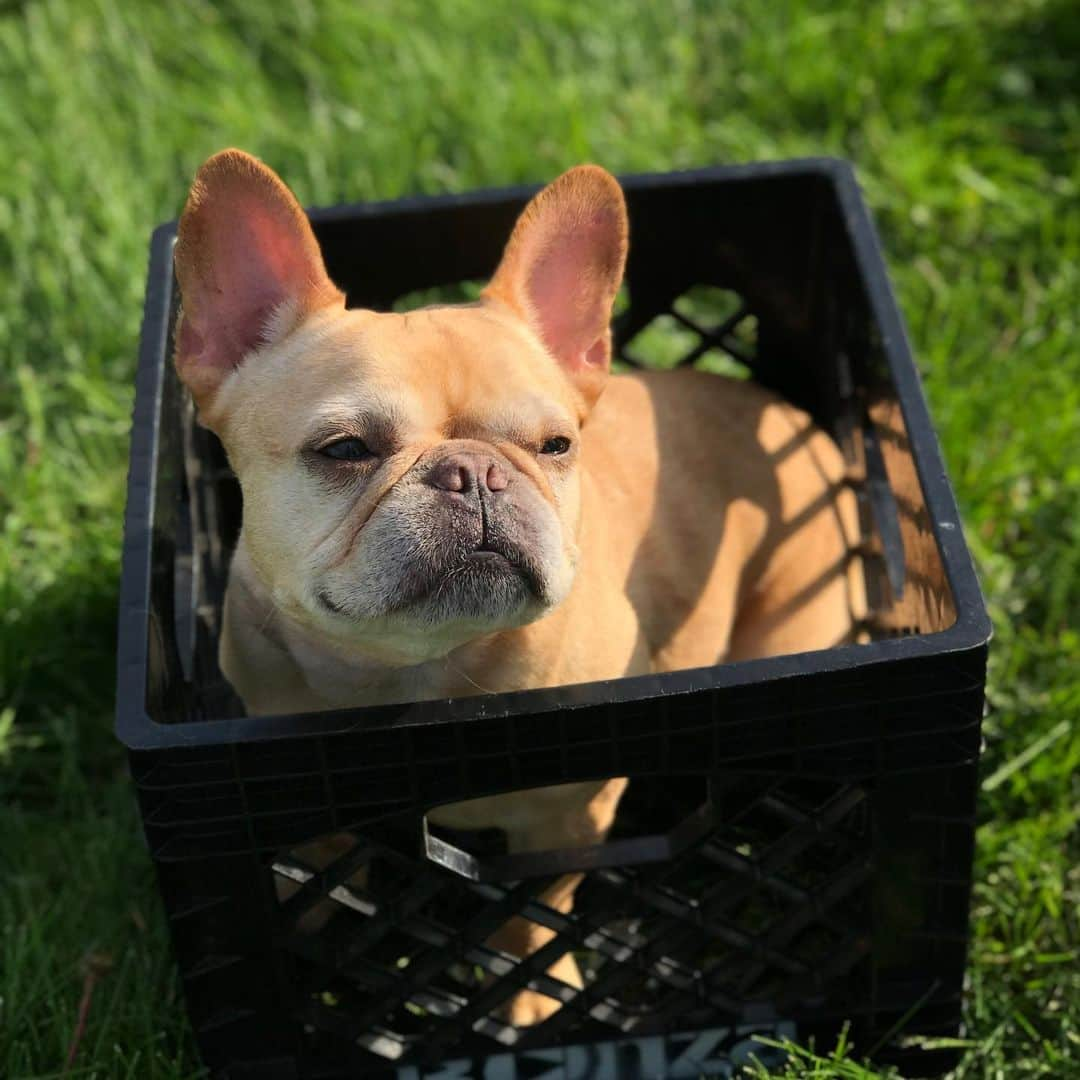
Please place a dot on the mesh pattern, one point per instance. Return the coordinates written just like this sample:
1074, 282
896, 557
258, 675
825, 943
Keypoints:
770, 908
709, 328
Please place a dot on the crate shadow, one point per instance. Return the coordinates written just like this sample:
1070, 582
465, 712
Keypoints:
58, 673
681, 610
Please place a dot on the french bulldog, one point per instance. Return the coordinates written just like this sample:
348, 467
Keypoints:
463, 500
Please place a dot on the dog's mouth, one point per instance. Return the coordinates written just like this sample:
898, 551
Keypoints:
487, 555
497, 555
488, 581
327, 602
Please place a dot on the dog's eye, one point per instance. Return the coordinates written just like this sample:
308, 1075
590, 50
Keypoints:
347, 450
558, 444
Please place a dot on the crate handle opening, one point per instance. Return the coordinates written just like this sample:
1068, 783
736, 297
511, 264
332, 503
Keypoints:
440, 848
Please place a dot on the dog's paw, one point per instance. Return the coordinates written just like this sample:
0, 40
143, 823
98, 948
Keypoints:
530, 1007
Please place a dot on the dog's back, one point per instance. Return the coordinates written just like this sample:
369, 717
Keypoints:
736, 534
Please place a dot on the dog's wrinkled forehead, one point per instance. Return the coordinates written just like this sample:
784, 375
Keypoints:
458, 372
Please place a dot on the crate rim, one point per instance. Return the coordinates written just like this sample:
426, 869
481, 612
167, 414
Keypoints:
971, 630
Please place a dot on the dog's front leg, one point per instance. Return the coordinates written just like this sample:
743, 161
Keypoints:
574, 826
522, 937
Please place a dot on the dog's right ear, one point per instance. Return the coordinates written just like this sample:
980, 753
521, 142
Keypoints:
249, 269
561, 270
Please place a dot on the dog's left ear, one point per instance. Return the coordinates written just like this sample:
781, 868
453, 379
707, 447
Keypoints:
563, 266
249, 269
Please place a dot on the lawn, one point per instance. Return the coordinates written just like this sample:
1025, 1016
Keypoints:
963, 120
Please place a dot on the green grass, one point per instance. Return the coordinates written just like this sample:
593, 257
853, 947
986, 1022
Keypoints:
964, 122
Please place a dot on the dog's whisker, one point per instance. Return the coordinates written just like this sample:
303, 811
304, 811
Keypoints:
468, 678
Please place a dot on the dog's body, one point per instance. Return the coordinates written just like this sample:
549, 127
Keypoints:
458, 500
667, 579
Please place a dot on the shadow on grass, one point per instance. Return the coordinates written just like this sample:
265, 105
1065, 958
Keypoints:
1039, 82
57, 672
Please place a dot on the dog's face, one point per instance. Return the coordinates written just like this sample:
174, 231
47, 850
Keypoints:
407, 476
411, 481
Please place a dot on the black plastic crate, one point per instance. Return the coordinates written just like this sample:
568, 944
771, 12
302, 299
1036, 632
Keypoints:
795, 848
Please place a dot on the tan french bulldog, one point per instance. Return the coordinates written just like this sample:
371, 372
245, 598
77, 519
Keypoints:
461, 500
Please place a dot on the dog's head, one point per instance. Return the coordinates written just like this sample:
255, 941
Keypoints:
411, 481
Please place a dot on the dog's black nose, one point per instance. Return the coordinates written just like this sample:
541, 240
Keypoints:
467, 472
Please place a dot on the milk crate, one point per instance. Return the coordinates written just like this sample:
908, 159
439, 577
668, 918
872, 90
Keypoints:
795, 849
